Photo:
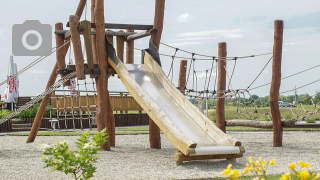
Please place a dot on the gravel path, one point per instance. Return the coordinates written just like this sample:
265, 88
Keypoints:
132, 159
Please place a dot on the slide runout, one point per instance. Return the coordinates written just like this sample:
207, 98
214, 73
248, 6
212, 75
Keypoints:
171, 111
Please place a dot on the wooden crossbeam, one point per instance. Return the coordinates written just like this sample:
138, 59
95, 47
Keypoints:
123, 26
67, 33
141, 35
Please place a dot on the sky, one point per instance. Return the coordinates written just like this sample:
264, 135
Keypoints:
247, 26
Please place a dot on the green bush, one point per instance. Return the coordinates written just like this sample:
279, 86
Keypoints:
288, 116
31, 113
4, 112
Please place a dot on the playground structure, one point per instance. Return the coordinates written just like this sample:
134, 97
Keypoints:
190, 131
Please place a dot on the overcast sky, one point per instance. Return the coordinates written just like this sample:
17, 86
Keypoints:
196, 26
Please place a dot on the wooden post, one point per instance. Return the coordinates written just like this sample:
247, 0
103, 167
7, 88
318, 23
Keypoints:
105, 118
51, 81
93, 37
182, 76
88, 42
120, 47
60, 52
77, 49
154, 130
130, 50
158, 21
275, 83
221, 86
37, 120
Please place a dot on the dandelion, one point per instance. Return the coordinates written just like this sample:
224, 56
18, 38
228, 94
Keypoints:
44, 147
263, 164
303, 164
285, 176
272, 162
303, 174
227, 171
291, 166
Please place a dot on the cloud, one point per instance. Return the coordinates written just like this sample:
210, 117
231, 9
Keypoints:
235, 33
189, 39
179, 44
185, 18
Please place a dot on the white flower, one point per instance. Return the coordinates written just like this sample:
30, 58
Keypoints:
57, 161
43, 158
90, 145
59, 145
77, 155
44, 147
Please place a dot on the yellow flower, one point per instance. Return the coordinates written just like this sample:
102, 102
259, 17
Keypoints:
259, 170
247, 169
292, 165
262, 179
234, 174
316, 176
250, 160
285, 176
272, 162
303, 164
227, 171
260, 158
257, 163
303, 174
263, 164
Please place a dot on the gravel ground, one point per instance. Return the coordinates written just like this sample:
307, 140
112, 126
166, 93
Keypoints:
132, 159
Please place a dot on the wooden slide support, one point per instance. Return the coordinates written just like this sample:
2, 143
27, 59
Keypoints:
120, 47
53, 76
105, 118
275, 83
221, 86
130, 50
179, 157
154, 130
258, 124
77, 49
182, 76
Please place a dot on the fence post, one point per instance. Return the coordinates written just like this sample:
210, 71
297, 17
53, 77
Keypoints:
221, 86
275, 83
182, 76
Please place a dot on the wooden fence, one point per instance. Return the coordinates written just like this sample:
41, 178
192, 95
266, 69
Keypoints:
6, 126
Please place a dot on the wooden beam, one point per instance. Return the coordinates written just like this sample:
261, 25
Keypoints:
93, 37
60, 54
120, 47
88, 42
221, 87
182, 76
141, 35
179, 157
104, 105
130, 50
275, 83
67, 33
123, 26
80, 8
158, 22
77, 49
258, 124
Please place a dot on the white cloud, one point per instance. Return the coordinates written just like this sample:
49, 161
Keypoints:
184, 18
235, 33
179, 44
188, 39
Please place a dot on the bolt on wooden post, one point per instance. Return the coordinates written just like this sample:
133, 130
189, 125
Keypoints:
221, 87
275, 83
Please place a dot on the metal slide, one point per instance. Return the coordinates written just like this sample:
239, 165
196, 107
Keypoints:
186, 127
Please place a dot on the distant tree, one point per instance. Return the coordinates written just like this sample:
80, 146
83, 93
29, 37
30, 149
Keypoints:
316, 98
254, 97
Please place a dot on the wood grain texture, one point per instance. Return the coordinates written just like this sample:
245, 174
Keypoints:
182, 75
221, 86
130, 50
258, 124
80, 8
154, 135
120, 47
88, 42
275, 83
77, 48
158, 22
102, 80
60, 53
141, 35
